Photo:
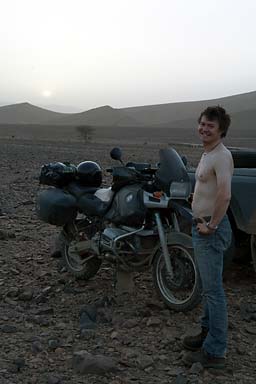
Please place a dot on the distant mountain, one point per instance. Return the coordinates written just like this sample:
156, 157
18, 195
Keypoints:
243, 120
242, 107
166, 113
25, 113
101, 116
61, 108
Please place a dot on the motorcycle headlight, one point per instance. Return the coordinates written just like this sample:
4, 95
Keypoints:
180, 190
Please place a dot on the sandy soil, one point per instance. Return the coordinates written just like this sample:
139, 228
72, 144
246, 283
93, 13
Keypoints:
40, 302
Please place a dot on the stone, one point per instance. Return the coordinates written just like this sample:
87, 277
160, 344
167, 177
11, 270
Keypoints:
154, 321
86, 322
26, 294
86, 363
53, 380
196, 368
8, 328
145, 361
36, 347
53, 344
180, 379
250, 329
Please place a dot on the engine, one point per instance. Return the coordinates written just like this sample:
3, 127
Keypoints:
130, 248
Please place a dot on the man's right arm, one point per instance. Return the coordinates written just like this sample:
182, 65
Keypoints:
223, 169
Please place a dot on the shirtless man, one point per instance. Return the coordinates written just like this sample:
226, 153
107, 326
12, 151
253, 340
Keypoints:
211, 234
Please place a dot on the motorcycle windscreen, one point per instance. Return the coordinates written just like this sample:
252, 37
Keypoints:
172, 176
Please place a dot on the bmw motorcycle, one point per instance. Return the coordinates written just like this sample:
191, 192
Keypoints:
132, 224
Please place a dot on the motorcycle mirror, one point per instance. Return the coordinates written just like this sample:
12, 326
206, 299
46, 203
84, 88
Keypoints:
116, 153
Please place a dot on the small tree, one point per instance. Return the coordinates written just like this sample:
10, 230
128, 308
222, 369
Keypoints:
85, 131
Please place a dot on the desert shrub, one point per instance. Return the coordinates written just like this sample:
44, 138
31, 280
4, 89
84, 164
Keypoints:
85, 131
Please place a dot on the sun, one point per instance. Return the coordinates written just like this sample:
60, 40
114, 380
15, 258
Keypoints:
46, 93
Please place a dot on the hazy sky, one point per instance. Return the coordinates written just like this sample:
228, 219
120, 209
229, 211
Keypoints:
88, 53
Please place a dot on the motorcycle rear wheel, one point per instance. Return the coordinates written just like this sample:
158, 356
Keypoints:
182, 292
77, 263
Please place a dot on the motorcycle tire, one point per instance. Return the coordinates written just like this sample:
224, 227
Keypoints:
183, 292
77, 264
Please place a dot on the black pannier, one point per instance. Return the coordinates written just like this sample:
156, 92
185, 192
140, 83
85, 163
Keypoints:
57, 174
55, 206
128, 207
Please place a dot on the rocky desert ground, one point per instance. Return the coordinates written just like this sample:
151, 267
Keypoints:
135, 338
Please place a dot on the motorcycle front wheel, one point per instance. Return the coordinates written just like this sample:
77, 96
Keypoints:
181, 292
82, 265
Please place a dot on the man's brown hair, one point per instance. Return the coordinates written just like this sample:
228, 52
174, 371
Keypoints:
217, 113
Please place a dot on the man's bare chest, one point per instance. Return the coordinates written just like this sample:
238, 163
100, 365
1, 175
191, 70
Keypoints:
205, 171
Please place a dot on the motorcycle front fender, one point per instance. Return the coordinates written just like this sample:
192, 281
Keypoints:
179, 238
174, 238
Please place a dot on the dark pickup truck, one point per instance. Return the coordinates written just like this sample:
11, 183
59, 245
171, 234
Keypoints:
242, 208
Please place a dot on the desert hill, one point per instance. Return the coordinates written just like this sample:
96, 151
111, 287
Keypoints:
102, 116
183, 114
26, 113
241, 121
166, 113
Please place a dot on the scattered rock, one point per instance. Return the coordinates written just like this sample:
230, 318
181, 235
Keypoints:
53, 344
45, 311
5, 235
180, 379
13, 292
8, 328
135, 329
19, 363
53, 380
248, 311
154, 321
87, 319
250, 329
196, 368
86, 363
36, 347
87, 334
145, 361
26, 294
104, 315
130, 323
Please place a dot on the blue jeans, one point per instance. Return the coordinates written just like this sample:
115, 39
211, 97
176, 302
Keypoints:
208, 251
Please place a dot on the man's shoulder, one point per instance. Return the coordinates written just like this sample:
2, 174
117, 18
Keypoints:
223, 157
223, 151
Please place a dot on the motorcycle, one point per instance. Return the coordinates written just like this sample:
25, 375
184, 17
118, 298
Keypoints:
133, 224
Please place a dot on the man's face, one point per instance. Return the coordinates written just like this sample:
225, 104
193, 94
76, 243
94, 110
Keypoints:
209, 131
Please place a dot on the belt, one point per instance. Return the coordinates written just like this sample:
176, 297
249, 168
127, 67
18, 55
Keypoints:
197, 220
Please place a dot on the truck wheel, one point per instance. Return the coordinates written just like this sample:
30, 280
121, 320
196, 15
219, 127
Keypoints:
253, 250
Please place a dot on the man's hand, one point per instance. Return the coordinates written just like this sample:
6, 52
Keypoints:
190, 198
202, 228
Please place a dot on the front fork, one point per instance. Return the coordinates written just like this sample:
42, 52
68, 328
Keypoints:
163, 243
